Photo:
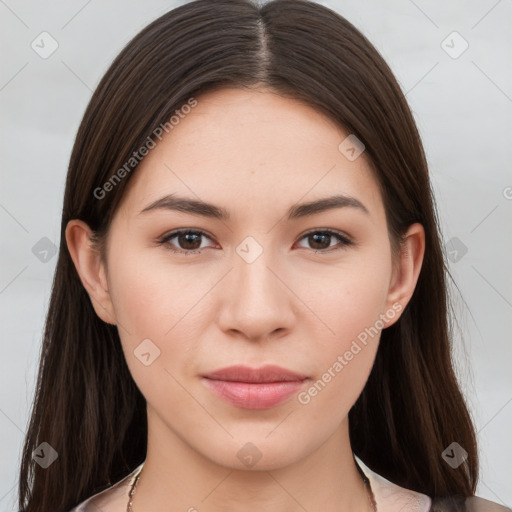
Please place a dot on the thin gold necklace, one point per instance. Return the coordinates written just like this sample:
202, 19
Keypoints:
368, 487
132, 492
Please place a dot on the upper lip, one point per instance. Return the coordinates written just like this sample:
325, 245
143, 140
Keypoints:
268, 373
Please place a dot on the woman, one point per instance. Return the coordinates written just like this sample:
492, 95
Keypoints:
249, 308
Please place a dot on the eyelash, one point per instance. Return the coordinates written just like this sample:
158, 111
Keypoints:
344, 241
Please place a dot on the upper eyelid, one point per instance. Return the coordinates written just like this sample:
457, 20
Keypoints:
327, 230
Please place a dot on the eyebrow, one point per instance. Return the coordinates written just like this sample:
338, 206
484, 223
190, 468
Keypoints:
198, 207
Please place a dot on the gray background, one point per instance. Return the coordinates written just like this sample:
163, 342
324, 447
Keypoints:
463, 108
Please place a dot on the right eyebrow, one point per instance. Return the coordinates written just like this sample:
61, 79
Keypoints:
187, 205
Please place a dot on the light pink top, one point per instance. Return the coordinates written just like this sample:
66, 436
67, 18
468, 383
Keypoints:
388, 496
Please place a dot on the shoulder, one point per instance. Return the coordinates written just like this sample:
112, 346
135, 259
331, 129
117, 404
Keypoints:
112, 499
390, 497
467, 504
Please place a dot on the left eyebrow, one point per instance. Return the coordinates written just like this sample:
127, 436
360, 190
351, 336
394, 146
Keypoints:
322, 205
198, 207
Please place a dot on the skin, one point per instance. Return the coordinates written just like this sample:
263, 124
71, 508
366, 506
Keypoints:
298, 305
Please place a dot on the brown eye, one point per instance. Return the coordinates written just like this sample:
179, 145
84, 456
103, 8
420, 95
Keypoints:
323, 240
187, 241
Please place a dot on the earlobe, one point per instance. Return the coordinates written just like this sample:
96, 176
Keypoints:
407, 269
90, 268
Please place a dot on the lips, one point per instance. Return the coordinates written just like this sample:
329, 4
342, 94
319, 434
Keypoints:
249, 388
268, 373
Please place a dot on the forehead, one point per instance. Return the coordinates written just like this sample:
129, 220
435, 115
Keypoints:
251, 149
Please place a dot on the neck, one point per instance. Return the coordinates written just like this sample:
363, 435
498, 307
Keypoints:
178, 477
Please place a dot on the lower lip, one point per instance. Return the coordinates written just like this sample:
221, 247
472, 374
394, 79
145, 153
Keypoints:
254, 395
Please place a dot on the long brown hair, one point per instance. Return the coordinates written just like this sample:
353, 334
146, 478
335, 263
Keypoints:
87, 406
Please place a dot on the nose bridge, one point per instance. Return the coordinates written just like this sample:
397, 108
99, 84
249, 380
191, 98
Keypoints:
258, 302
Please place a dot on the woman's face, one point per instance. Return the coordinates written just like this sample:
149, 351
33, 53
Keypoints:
263, 285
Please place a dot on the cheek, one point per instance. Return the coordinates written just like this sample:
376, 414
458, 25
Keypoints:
156, 322
153, 303
348, 298
348, 304
150, 297
343, 360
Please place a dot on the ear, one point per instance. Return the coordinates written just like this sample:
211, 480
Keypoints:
406, 270
90, 268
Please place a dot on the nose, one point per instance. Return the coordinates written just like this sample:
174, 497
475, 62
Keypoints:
257, 302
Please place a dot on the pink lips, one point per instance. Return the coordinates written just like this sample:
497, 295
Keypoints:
254, 389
